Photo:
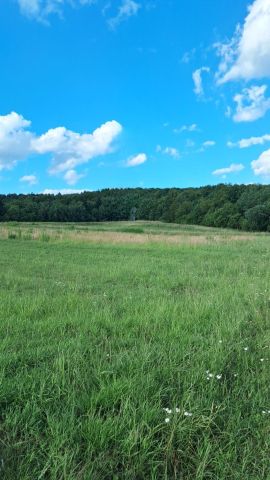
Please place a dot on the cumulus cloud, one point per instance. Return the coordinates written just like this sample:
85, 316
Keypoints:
197, 79
68, 149
171, 151
209, 143
187, 128
205, 145
41, 9
234, 167
72, 177
249, 142
128, 8
15, 139
30, 179
261, 166
136, 160
251, 104
247, 55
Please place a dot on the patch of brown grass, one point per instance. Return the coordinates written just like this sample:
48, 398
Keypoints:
121, 237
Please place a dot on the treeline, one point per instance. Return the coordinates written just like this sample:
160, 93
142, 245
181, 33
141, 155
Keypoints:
244, 207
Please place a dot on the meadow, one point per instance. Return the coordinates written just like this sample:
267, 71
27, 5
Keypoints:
134, 352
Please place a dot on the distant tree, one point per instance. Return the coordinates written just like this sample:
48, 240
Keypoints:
258, 217
221, 216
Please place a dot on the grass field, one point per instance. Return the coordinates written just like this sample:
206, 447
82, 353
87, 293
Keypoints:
134, 359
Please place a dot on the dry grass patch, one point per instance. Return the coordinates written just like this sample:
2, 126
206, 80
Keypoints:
113, 237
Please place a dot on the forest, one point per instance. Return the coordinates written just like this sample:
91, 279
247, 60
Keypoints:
243, 207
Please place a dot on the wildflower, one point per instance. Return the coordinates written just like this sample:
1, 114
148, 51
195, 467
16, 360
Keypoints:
220, 341
168, 410
188, 414
177, 410
261, 359
167, 420
246, 349
219, 376
235, 375
210, 375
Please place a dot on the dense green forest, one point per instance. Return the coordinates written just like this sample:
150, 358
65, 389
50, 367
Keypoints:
245, 207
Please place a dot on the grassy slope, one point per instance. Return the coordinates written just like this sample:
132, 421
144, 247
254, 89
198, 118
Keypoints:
139, 226
96, 340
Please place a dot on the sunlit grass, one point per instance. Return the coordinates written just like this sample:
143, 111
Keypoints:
134, 361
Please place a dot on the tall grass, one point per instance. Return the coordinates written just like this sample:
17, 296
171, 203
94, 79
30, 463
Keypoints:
98, 340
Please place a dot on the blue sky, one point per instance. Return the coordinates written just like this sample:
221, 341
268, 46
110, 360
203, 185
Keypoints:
130, 93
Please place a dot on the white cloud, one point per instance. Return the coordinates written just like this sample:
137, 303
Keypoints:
228, 112
209, 143
136, 160
72, 177
63, 191
261, 166
227, 53
249, 142
188, 56
234, 167
30, 8
127, 9
41, 9
247, 55
68, 149
197, 79
171, 151
30, 179
205, 145
251, 104
187, 128
15, 140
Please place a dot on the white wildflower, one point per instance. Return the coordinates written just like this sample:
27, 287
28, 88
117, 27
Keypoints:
167, 420
167, 410
219, 376
188, 414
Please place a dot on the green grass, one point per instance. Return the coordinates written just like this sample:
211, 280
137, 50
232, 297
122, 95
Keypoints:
125, 227
97, 339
